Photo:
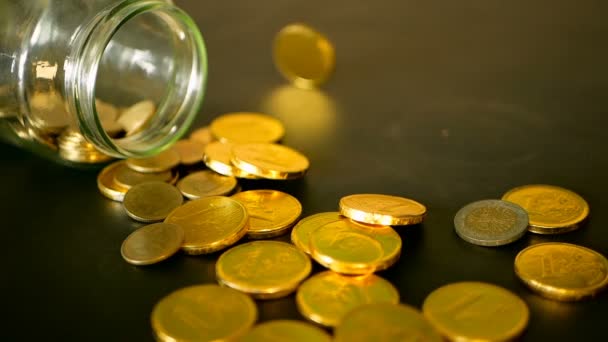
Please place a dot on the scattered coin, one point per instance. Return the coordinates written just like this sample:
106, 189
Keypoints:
135, 117
475, 311
217, 158
126, 177
152, 201
300, 235
152, 243
491, 222
303, 55
163, 161
206, 183
202, 135
270, 161
286, 330
271, 212
390, 322
108, 186
247, 128
327, 297
552, 210
203, 313
562, 271
264, 269
349, 248
210, 223
382, 209
190, 151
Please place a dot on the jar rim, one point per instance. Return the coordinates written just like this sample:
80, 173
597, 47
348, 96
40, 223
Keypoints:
83, 68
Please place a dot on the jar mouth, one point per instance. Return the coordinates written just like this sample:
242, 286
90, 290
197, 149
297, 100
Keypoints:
138, 51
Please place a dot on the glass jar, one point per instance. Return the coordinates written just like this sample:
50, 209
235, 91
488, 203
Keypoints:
127, 76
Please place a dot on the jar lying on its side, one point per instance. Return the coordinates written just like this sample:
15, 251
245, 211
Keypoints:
127, 76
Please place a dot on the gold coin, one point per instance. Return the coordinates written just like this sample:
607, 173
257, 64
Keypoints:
562, 271
390, 322
247, 128
382, 209
475, 311
127, 178
303, 56
286, 330
134, 118
190, 151
270, 161
327, 297
217, 158
202, 135
152, 201
163, 161
203, 313
551, 209
300, 235
206, 183
152, 243
346, 247
264, 269
106, 184
271, 212
210, 223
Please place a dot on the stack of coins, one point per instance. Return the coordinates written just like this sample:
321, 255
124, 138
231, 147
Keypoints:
74, 147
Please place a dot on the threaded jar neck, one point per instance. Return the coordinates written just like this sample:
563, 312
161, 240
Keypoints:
139, 50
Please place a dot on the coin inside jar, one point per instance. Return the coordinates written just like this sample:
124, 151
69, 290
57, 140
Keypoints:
206, 183
152, 243
152, 201
382, 209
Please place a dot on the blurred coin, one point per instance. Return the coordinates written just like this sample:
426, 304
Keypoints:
210, 223
127, 178
271, 212
152, 201
163, 161
190, 151
152, 243
475, 311
286, 330
562, 271
133, 118
270, 161
303, 55
390, 322
108, 115
327, 297
203, 313
264, 269
202, 135
74, 147
217, 158
300, 235
551, 209
491, 222
206, 183
108, 186
382, 209
247, 128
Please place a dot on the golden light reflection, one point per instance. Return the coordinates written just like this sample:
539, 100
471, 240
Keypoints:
309, 115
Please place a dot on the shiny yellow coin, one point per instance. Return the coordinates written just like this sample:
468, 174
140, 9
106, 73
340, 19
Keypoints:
300, 234
210, 223
327, 297
271, 212
206, 183
347, 247
126, 178
247, 128
163, 161
190, 151
202, 135
264, 269
382, 209
152, 243
203, 313
270, 161
474, 311
551, 209
286, 330
152, 201
562, 271
304, 56
217, 158
135, 117
108, 186
390, 322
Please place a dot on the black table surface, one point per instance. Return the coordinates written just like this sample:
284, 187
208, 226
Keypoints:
446, 102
